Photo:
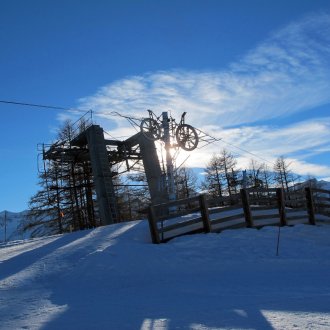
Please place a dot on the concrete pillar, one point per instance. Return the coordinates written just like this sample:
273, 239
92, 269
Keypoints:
106, 198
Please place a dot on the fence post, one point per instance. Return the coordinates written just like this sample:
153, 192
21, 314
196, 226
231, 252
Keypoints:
246, 208
153, 225
310, 205
205, 213
281, 206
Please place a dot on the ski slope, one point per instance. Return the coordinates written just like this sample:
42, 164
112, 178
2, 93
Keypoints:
113, 278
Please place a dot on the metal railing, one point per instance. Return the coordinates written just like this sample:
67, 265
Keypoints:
84, 122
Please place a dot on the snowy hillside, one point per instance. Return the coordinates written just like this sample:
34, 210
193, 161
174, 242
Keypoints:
114, 278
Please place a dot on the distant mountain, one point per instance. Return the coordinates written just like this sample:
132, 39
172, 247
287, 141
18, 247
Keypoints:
324, 184
11, 226
313, 183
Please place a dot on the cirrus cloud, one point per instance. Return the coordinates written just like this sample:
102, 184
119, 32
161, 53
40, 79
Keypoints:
287, 74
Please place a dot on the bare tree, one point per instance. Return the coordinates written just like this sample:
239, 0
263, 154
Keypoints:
229, 171
186, 183
221, 176
65, 199
213, 182
255, 179
282, 173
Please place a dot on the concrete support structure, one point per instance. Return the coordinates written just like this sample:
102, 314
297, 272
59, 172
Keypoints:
106, 198
155, 178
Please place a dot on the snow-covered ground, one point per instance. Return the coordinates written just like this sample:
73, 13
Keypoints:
113, 278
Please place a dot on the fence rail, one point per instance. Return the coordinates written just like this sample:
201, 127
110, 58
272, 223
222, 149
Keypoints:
250, 208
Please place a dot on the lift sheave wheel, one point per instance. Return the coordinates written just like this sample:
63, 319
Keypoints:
186, 137
150, 129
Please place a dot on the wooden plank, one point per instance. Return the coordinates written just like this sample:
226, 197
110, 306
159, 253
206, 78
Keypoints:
229, 226
321, 199
261, 190
324, 216
310, 205
180, 225
295, 195
191, 232
246, 208
217, 200
281, 206
177, 202
295, 207
265, 223
298, 217
262, 195
293, 201
153, 226
225, 209
262, 208
261, 200
205, 213
220, 201
320, 190
265, 217
321, 205
288, 211
178, 214
229, 218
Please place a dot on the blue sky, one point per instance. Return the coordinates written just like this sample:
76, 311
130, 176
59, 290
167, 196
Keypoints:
256, 73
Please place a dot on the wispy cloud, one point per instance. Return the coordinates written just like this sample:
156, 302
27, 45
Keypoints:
301, 137
286, 74
298, 143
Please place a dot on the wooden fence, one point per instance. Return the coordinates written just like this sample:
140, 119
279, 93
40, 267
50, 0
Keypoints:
250, 208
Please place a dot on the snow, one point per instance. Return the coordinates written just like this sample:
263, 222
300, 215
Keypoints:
112, 277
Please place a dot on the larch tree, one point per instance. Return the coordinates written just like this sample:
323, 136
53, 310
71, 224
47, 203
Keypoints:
230, 173
213, 179
283, 174
45, 215
255, 179
185, 182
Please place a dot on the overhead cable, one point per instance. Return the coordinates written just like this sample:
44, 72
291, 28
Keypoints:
114, 113
42, 106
